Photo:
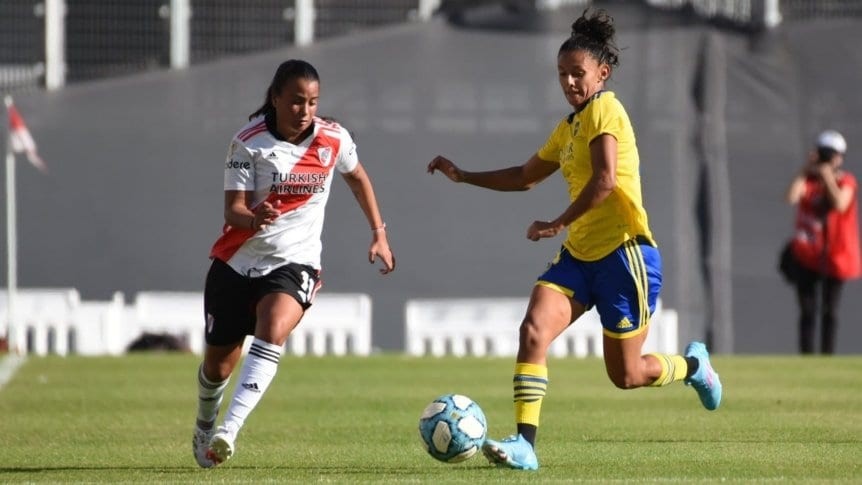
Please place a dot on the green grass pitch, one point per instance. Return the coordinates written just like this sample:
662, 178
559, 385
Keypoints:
354, 420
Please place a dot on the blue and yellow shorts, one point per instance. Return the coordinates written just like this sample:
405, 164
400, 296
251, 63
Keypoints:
623, 286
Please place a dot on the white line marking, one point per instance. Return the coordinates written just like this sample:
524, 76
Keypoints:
8, 366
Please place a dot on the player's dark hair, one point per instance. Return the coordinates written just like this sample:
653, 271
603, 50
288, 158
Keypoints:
287, 71
826, 154
594, 33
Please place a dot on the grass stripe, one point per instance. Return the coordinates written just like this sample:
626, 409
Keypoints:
354, 420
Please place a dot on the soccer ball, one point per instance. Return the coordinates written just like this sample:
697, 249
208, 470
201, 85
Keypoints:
452, 428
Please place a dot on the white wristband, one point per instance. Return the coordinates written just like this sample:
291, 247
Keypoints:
381, 228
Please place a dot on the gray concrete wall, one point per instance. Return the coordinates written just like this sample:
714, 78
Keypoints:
134, 200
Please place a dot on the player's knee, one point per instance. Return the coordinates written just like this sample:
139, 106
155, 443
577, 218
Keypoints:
531, 334
622, 382
218, 372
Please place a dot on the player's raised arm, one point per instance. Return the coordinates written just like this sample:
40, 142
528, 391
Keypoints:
517, 178
602, 181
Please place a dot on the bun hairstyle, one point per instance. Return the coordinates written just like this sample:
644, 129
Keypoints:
594, 32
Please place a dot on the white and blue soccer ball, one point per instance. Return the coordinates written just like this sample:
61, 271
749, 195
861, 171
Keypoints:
452, 428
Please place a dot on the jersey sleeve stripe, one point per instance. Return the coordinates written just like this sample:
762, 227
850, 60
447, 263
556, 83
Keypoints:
249, 134
251, 131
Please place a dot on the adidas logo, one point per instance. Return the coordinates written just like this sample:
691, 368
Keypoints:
272, 155
624, 323
251, 386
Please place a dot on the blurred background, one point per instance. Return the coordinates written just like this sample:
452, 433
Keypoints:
132, 105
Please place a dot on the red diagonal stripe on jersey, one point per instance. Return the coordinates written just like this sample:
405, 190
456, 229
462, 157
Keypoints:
229, 242
310, 164
233, 238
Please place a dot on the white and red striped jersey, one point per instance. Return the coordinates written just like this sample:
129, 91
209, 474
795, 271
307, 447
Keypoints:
296, 176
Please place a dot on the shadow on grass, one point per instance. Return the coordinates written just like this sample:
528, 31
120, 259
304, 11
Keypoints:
352, 469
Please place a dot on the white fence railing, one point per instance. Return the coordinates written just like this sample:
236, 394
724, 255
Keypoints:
490, 327
57, 321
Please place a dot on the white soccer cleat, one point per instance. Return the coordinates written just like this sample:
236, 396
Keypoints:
200, 446
221, 446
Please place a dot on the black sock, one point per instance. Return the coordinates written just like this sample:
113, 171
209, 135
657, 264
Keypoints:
693, 364
528, 431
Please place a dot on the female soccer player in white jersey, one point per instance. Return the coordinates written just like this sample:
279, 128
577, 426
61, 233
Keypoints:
266, 265
609, 258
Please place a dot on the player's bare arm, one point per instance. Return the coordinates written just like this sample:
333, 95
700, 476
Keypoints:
238, 212
603, 158
517, 178
360, 184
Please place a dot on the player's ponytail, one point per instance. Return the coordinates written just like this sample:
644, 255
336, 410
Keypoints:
287, 71
594, 33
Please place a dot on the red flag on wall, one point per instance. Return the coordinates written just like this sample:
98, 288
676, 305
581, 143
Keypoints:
19, 138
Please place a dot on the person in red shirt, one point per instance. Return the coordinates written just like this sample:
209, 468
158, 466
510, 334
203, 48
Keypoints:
825, 242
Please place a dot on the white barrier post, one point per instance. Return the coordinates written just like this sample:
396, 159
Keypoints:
55, 44
180, 16
336, 324
303, 24
489, 326
427, 8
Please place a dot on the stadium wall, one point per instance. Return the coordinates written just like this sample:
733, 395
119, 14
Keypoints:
133, 200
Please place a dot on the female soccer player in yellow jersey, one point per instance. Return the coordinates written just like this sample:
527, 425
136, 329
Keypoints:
609, 258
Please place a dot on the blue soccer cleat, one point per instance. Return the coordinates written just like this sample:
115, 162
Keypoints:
705, 381
512, 452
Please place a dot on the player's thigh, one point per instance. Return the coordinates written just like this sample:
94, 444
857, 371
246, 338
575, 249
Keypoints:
282, 298
548, 314
277, 315
561, 293
551, 311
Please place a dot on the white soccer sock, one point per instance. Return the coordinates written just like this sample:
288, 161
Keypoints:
209, 397
257, 372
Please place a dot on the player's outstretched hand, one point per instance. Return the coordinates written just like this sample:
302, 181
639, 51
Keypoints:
447, 168
380, 249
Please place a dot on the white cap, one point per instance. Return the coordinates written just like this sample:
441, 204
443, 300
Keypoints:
832, 139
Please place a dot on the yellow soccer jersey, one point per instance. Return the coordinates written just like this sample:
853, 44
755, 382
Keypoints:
621, 216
